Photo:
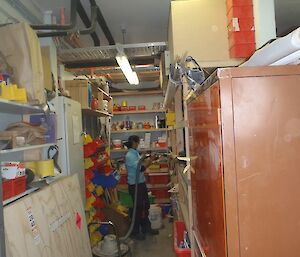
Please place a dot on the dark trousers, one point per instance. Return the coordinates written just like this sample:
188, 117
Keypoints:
142, 222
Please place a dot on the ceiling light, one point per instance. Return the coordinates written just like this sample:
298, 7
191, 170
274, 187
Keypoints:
125, 66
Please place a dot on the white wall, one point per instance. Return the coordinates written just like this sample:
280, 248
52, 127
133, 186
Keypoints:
264, 19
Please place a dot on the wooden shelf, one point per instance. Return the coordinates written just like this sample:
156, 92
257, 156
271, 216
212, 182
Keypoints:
106, 96
25, 148
138, 130
138, 112
14, 198
96, 113
136, 93
18, 108
140, 150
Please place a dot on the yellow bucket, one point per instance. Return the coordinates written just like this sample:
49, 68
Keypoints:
45, 168
31, 165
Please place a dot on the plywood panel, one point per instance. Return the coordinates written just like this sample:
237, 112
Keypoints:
43, 224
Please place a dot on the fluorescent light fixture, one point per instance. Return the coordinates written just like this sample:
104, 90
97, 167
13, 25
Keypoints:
124, 64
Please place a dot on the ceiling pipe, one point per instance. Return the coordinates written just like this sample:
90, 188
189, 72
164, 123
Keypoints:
102, 23
72, 25
87, 31
86, 21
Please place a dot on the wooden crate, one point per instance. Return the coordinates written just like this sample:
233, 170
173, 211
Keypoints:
78, 90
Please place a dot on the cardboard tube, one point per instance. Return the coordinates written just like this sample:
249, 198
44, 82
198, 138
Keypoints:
275, 51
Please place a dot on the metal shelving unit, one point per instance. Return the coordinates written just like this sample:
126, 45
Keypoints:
11, 107
25, 148
14, 109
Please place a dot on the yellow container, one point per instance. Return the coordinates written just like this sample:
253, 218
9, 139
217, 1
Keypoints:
31, 166
45, 168
13, 93
20, 95
7, 92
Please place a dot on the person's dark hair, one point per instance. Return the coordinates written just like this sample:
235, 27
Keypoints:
131, 140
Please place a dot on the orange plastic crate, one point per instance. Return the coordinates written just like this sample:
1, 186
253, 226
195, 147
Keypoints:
231, 3
245, 24
240, 12
179, 228
242, 50
241, 37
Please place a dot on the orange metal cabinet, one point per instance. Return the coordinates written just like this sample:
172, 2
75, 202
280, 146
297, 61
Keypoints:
244, 129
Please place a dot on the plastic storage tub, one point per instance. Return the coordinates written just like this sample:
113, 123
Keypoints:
160, 193
158, 178
179, 229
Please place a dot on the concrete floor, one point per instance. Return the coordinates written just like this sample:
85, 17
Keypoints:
156, 246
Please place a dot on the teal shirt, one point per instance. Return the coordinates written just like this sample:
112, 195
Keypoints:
131, 160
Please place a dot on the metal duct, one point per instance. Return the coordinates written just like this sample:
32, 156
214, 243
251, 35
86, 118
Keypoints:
86, 21
102, 23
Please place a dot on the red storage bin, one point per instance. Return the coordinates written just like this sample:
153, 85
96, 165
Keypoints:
7, 189
242, 50
179, 229
245, 24
141, 107
240, 12
158, 178
231, 3
18, 185
132, 108
240, 37
160, 193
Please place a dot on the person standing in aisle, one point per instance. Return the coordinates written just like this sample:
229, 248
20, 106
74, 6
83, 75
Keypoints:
142, 225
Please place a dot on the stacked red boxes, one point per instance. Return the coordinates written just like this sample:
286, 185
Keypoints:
241, 32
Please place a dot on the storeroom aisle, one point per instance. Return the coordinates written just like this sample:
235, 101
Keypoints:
156, 246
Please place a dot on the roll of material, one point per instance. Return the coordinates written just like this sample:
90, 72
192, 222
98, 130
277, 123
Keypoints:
45, 168
276, 50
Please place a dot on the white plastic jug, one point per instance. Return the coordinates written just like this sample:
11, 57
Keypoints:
155, 216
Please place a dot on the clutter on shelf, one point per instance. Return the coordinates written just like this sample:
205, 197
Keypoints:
124, 107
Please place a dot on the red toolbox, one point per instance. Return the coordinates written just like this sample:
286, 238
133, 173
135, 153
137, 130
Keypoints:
242, 50
158, 178
160, 193
13, 187
18, 185
179, 229
241, 37
7, 188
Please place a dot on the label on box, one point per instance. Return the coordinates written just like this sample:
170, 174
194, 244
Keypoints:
12, 170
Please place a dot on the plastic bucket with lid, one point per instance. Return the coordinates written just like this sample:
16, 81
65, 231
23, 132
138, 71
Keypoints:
155, 216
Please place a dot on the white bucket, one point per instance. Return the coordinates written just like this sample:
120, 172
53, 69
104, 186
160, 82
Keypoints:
155, 216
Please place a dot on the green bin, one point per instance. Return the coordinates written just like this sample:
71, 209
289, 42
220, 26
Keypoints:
126, 200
